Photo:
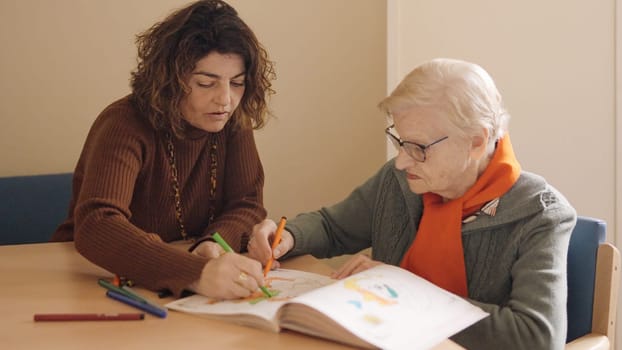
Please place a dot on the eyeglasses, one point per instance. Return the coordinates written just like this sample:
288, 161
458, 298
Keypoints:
414, 150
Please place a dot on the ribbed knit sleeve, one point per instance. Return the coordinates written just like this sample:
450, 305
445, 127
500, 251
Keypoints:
122, 212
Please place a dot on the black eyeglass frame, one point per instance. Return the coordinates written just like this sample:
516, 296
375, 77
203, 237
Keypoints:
404, 144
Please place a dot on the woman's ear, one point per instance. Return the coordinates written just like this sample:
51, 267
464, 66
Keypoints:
479, 144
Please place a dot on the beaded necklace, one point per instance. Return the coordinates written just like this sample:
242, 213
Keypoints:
175, 182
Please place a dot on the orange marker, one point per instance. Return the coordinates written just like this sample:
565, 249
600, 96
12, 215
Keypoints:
275, 242
116, 280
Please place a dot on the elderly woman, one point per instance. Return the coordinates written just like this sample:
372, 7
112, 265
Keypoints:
455, 208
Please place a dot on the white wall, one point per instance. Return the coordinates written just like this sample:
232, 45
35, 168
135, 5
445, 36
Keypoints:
328, 136
554, 62
63, 61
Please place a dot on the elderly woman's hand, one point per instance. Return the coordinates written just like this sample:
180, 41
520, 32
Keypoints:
259, 245
358, 263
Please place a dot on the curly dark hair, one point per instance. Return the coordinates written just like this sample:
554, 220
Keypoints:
168, 53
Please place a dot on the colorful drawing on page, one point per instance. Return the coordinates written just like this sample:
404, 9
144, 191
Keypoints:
283, 284
369, 298
371, 291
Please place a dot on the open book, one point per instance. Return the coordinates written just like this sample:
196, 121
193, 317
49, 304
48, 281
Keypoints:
383, 307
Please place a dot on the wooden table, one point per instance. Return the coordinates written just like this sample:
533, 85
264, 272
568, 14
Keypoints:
54, 278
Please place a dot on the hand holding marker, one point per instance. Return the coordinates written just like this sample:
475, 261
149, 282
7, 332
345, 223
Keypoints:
225, 246
275, 243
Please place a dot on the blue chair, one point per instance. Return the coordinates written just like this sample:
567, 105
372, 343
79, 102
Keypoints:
31, 207
593, 276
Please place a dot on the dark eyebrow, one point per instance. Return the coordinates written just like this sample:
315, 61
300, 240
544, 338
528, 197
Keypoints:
216, 76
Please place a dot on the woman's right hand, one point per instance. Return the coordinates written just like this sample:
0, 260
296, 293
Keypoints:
260, 242
229, 276
209, 250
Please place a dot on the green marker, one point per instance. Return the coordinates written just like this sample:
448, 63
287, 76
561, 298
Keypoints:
221, 241
265, 291
223, 244
130, 293
102, 282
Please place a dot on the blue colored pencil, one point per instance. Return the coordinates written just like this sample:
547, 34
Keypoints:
152, 309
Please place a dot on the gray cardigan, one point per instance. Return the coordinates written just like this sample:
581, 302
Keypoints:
515, 260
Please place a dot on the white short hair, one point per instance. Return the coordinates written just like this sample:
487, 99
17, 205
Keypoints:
462, 91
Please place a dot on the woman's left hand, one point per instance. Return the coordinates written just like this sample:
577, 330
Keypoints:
358, 263
209, 250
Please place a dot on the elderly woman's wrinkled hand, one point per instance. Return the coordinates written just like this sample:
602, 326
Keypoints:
358, 263
259, 244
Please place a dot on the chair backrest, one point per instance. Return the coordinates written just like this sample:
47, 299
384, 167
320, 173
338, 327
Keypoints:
31, 207
585, 239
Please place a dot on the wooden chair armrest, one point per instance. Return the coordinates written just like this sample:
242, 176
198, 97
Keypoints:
591, 341
606, 291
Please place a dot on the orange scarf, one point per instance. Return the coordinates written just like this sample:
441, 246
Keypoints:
436, 253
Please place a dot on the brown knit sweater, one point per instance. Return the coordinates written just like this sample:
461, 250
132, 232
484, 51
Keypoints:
123, 209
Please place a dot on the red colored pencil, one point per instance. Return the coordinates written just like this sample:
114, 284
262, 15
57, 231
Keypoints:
89, 317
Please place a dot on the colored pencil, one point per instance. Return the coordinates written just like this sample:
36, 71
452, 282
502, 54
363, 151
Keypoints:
275, 243
88, 317
147, 307
121, 290
227, 248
